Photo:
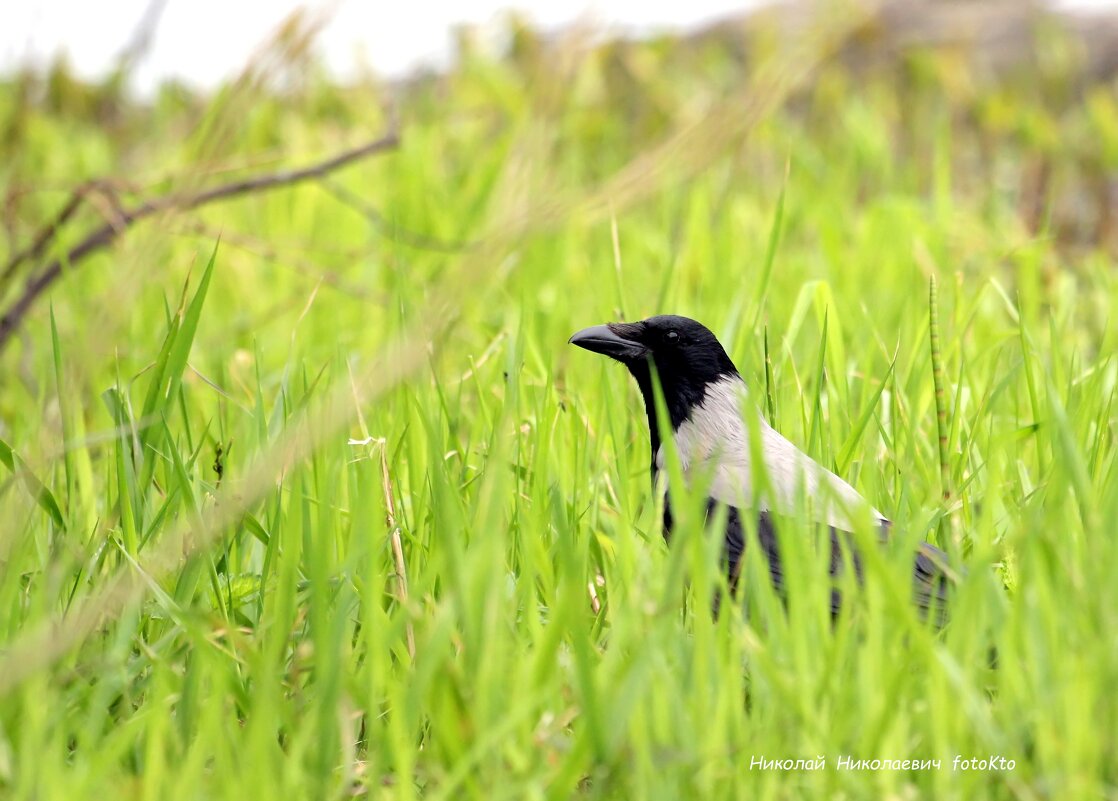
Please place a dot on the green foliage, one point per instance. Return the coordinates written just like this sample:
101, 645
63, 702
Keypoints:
198, 591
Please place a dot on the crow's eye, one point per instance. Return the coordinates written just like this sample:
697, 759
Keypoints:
672, 337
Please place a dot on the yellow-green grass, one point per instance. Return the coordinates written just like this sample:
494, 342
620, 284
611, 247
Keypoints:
164, 635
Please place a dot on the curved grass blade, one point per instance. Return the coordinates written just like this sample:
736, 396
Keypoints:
43, 496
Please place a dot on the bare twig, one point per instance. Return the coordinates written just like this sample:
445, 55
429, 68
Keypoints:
108, 232
286, 257
402, 235
47, 234
139, 43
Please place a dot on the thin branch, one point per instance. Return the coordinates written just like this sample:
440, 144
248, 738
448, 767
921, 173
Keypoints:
402, 235
286, 258
105, 234
47, 233
139, 44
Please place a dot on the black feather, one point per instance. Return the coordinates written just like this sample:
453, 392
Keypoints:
929, 580
688, 360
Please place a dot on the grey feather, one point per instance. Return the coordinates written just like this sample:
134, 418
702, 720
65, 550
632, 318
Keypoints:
714, 443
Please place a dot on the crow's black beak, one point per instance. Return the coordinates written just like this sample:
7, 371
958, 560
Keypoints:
602, 339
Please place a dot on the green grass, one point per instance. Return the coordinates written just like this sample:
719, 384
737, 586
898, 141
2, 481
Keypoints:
166, 635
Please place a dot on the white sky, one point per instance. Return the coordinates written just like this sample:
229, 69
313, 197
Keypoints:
205, 41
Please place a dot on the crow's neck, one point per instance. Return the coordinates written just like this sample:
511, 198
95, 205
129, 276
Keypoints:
681, 396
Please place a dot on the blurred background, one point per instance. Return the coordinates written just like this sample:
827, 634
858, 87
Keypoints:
304, 494
204, 43
160, 38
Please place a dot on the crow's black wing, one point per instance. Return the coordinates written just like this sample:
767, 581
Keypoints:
734, 548
770, 547
929, 582
929, 578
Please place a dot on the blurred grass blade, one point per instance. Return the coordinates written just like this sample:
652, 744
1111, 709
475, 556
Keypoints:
38, 490
849, 448
168, 370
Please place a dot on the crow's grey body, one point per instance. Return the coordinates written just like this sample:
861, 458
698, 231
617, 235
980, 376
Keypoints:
714, 441
708, 409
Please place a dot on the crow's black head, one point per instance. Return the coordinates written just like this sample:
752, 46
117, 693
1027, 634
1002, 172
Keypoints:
686, 355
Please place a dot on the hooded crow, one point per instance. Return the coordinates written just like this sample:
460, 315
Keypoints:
705, 399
